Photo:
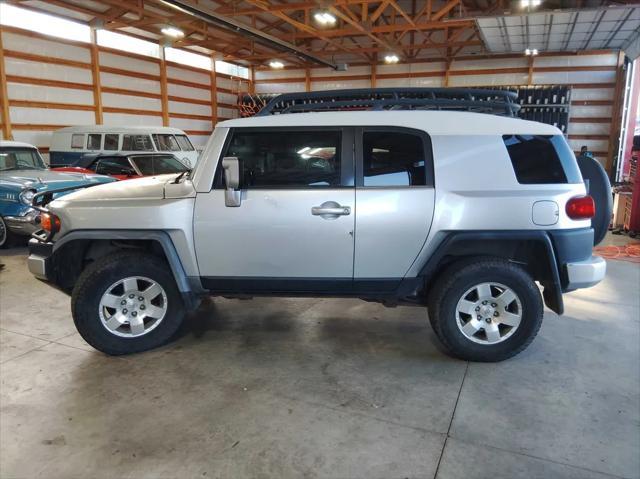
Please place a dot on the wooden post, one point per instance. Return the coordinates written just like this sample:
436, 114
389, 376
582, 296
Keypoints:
447, 72
374, 71
95, 75
307, 79
616, 113
252, 81
4, 97
530, 73
164, 91
214, 93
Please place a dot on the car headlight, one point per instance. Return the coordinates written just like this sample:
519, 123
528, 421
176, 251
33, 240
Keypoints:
26, 196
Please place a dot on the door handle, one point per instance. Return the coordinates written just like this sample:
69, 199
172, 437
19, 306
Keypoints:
330, 210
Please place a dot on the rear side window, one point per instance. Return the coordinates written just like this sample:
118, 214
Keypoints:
541, 159
391, 158
184, 143
136, 143
114, 166
93, 141
111, 142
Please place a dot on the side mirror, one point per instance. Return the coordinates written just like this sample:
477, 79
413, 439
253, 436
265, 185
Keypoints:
231, 169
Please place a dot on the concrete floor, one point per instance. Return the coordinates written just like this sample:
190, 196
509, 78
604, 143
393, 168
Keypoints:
289, 388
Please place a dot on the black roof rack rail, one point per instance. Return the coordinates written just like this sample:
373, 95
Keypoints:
497, 102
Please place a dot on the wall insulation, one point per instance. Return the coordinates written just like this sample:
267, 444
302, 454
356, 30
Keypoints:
592, 76
50, 83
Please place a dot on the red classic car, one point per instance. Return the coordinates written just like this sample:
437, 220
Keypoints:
124, 167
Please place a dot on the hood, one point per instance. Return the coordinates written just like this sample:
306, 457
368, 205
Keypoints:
148, 187
47, 179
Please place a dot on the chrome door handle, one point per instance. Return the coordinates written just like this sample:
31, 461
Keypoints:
330, 210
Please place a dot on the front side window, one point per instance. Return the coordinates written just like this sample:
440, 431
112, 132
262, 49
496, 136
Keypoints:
114, 166
287, 159
166, 143
136, 143
535, 159
77, 140
20, 159
111, 142
392, 158
93, 141
185, 143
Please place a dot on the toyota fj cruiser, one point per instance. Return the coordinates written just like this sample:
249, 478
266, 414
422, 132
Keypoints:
468, 213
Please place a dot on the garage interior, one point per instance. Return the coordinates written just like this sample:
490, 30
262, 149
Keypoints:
334, 388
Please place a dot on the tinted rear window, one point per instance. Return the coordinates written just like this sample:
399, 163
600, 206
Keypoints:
541, 159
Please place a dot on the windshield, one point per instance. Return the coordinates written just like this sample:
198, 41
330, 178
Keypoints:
20, 159
158, 165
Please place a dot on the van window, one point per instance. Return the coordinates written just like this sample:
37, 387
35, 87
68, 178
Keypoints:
77, 140
166, 143
136, 143
93, 141
391, 158
541, 159
111, 141
184, 143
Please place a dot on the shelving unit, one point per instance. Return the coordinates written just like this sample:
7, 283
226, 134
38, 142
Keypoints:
546, 104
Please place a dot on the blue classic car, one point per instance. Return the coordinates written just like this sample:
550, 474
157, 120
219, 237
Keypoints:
23, 174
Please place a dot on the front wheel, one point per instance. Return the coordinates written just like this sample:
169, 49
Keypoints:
126, 303
486, 309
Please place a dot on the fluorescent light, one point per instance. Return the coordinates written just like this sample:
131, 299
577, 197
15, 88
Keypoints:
324, 18
530, 3
391, 58
173, 32
531, 51
276, 64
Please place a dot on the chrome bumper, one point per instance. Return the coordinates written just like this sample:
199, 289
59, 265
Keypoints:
24, 225
584, 274
38, 260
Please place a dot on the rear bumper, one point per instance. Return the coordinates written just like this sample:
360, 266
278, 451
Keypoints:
587, 273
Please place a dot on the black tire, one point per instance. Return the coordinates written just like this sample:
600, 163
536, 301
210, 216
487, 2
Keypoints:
462, 276
99, 276
599, 188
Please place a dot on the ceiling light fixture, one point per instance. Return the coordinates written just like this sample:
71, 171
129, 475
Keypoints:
391, 58
530, 3
531, 52
325, 18
172, 31
276, 64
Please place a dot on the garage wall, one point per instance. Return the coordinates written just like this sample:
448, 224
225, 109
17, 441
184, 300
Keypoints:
52, 83
592, 76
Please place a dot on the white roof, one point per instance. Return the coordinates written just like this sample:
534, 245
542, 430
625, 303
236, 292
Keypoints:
15, 144
119, 129
433, 122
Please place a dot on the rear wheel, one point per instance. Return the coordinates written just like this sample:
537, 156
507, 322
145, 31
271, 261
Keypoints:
485, 309
7, 238
126, 303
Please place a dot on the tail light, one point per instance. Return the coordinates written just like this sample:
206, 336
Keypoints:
581, 208
49, 222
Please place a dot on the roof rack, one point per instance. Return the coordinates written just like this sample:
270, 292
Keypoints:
497, 102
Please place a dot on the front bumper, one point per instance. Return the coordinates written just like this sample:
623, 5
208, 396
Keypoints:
24, 225
39, 258
584, 274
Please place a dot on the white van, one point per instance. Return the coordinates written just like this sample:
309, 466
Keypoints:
70, 145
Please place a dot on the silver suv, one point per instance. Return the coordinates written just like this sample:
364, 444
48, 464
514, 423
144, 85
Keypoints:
477, 216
